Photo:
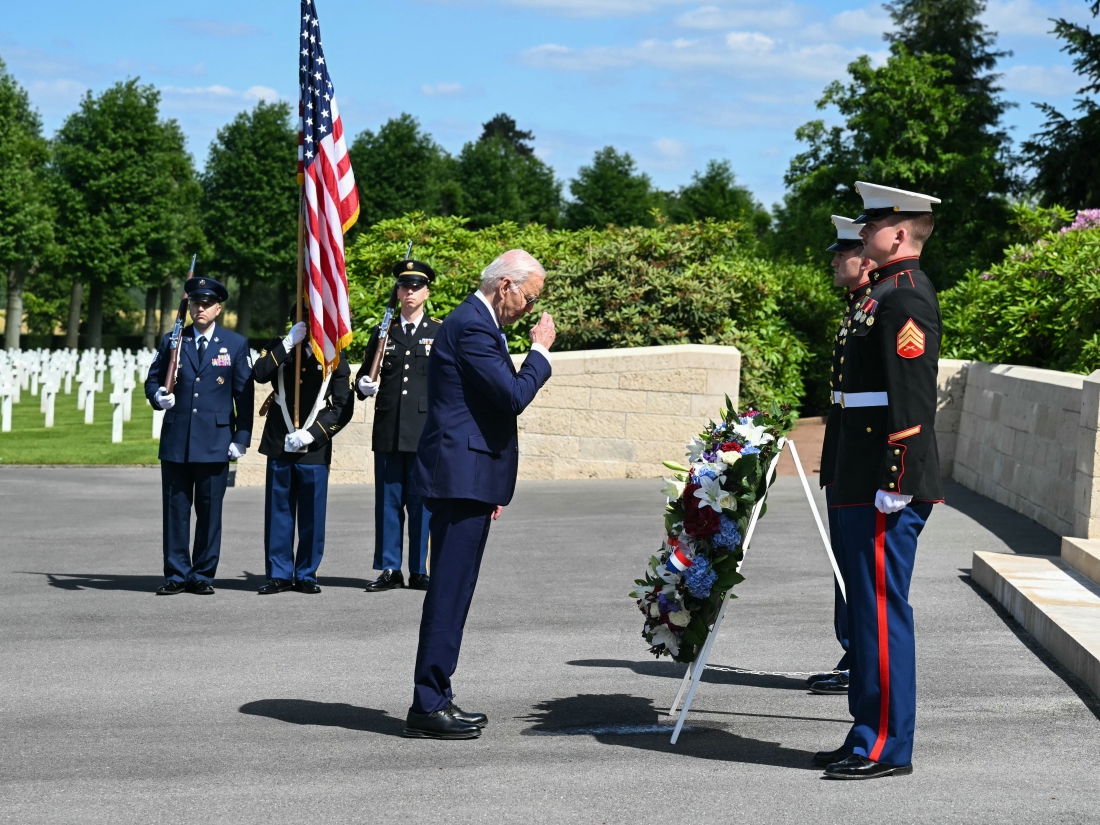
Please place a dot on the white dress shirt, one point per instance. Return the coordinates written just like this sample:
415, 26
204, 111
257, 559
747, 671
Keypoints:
539, 348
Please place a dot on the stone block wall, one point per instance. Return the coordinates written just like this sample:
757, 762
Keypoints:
613, 413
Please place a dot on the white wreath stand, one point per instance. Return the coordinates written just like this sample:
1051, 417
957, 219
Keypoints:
696, 668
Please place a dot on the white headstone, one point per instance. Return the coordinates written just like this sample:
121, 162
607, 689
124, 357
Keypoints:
116, 422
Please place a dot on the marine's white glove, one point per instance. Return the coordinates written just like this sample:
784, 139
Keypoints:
297, 334
368, 387
890, 502
165, 400
297, 441
236, 450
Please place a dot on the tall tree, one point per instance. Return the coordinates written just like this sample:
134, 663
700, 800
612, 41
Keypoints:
1066, 152
505, 127
250, 205
611, 192
399, 169
496, 183
715, 193
26, 219
126, 187
927, 120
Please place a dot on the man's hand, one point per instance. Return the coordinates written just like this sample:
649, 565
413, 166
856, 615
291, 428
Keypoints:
886, 502
165, 400
236, 451
500, 507
297, 334
297, 441
368, 387
543, 332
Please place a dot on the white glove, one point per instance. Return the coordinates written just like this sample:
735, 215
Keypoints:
890, 502
297, 334
165, 400
236, 450
297, 441
368, 387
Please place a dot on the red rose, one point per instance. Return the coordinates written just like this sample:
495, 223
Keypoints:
701, 522
730, 447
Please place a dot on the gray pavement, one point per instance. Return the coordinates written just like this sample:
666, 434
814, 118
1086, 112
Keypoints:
117, 706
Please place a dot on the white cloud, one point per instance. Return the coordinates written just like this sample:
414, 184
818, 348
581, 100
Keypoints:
441, 89
711, 18
865, 24
595, 8
215, 98
670, 149
1047, 81
261, 93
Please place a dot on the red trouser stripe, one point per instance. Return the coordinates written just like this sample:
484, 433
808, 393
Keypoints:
883, 636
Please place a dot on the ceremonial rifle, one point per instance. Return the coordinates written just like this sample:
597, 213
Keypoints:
177, 332
384, 330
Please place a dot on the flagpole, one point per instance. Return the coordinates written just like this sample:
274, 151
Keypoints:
298, 346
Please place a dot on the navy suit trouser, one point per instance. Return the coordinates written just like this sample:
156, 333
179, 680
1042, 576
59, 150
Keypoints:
459, 529
295, 493
881, 550
840, 610
185, 485
394, 495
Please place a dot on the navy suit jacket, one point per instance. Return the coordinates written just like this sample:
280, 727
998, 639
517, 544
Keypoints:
213, 399
470, 444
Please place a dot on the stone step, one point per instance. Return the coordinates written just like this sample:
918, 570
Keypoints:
1083, 555
1054, 602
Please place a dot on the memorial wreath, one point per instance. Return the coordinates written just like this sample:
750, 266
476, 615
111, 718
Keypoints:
710, 505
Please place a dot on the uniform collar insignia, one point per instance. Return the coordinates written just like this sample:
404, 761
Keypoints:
888, 270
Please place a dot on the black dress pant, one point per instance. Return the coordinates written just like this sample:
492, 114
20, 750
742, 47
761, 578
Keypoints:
201, 485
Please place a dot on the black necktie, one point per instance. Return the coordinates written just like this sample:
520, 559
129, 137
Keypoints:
202, 349
409, 327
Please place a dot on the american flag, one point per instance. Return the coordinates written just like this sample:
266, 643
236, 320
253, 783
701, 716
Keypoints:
331, 201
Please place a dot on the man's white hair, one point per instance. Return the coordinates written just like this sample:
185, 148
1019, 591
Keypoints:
516, 265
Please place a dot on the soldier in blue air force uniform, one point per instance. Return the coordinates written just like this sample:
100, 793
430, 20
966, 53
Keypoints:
207, 423
887, 477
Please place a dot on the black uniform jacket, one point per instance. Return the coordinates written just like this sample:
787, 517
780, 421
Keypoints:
331, 418
401, 405
214, 397
891, 345
832, 423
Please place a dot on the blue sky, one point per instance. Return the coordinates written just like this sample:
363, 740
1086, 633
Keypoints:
675, 83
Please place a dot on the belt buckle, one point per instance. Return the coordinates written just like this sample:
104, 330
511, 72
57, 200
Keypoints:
842, 405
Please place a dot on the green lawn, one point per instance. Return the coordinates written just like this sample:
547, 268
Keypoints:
71, 441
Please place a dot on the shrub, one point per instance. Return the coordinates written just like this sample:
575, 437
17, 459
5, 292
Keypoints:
704, 282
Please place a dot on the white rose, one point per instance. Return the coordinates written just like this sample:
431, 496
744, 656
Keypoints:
681, 618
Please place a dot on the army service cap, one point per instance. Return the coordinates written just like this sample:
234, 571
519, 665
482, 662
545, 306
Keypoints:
413, 273
880, 201
206, 288
847, 234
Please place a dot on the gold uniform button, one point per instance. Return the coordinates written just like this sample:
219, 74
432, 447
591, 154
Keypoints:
893, 469
841, 378
891, 485
897, 452
868, 429
842, 359
868, 292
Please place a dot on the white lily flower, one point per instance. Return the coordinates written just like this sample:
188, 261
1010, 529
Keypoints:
663, 636
711, 494
753, 434
673, 488
695, 449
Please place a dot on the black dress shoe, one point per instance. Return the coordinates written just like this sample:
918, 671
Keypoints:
440, 724
860, 767
419, 581
833, 686
307, 586
274, 586
820, 677
202, 588
479, 719
171, 588
826, 758
389, 580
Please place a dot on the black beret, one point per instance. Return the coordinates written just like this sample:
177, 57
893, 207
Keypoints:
206, 288
413, 273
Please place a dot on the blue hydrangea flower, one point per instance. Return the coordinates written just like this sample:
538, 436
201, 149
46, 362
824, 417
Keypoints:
749, 450
703, 472
699, 578
728, 535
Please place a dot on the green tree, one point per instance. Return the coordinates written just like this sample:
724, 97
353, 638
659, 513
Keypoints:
126, 196
611, 192
495, 183
716, 194
1066, 152
250, 204
927, 120
399, 169
505, 127
26, 219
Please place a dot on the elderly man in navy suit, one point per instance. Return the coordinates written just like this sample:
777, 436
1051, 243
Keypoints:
466, 467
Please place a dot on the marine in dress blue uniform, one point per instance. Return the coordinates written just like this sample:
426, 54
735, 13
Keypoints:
466, 468
400, 411
207, 421
887, 476
296, 492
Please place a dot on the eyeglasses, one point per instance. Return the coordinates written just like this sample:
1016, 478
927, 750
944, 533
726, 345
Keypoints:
528, 301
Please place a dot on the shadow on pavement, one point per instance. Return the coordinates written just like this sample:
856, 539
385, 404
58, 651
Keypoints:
727, 676
342, 581
1022, 535
328, 714
137, 584
633, 722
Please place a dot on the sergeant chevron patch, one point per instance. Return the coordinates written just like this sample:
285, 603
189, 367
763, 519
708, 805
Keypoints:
910, 340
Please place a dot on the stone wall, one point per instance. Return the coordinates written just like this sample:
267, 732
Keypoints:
613, 413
